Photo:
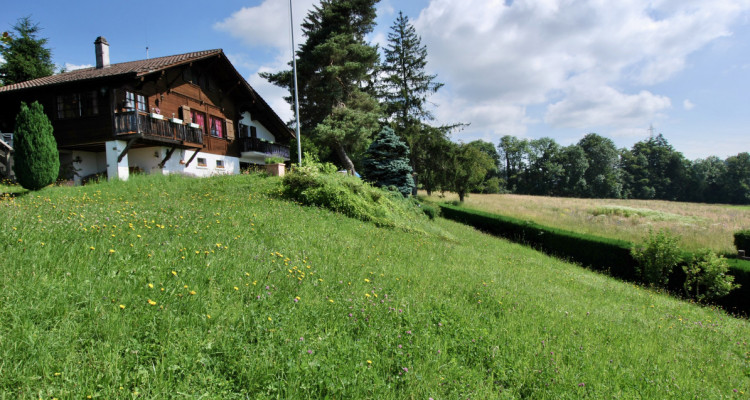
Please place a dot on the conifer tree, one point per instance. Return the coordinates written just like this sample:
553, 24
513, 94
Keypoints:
386, 163
335, 72
25, 56
36, 160
406, 85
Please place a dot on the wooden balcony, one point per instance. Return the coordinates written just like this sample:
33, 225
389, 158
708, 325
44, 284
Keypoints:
132, 123
256, 145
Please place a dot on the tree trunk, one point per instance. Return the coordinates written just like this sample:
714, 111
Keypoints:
344, 158
461, 195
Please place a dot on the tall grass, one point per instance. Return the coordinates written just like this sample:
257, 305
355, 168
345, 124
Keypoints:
170, 287
698, 225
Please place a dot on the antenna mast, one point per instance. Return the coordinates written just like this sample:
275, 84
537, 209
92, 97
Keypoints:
651, 131
296, 95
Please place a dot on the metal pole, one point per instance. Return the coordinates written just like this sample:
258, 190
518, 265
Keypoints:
296, 95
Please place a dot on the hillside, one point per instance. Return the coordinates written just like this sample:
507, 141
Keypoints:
171, 287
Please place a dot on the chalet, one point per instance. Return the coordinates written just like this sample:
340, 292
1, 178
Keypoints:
189, 113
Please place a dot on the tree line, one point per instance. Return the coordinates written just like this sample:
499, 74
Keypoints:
595, 168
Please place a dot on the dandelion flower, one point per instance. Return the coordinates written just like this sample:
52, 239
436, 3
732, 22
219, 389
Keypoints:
122, 306
92, 248
208, 316
192, 292
369, 361
174, 273
151, 302
236, 288
150, 285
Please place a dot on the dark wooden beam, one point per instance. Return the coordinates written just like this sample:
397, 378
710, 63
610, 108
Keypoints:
192, 158
125, 150
167, 157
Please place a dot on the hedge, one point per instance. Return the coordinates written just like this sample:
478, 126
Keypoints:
742, 241
598, 253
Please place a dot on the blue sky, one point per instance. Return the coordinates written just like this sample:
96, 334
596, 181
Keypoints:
534, 68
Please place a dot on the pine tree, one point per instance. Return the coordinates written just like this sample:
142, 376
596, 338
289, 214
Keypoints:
36, 160
25, 56
406, 85
386, 162
335, 72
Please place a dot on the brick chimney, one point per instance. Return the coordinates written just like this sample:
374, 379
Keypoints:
102, 52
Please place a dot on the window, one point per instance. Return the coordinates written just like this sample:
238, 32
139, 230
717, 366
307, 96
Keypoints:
244, 131
202, 162
198, 118
74, 105
137, 101
219, 163
217, 127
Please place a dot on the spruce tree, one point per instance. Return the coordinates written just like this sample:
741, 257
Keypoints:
335, 72
26, 56
36, 160
406, 86
386, 163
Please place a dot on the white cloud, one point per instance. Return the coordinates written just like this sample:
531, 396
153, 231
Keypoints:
267, 24
590, 62
688, 105
72, 67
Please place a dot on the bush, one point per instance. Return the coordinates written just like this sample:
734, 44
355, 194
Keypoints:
386, 163
706, 277
36, 160
310, 184
429, 211
742, 241
274, 160
656, 257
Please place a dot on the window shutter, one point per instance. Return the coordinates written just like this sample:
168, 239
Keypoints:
185, 110
230, 129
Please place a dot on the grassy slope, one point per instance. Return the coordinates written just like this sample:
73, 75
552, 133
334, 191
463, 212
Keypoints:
698, 225
474, 317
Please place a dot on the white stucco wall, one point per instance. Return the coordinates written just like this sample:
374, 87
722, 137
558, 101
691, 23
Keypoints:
91, 163
231, 164
263, 133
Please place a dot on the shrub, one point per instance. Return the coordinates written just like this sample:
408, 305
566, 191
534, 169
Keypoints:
386, 163
274, 160
348, 195
706, 276
656, 257
742, 241
36, 160
429, 211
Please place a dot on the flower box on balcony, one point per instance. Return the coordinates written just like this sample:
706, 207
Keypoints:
156, 116
194, 125
175, 121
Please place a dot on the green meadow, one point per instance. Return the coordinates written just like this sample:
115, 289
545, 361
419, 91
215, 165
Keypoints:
218, 288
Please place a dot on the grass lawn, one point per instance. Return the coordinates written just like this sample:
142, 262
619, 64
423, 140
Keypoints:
171, 287
698, 225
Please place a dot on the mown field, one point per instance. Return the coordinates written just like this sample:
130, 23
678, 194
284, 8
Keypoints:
171, 287
698, 225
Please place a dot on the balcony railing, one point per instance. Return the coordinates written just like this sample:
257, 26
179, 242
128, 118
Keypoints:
261, 146
131, 122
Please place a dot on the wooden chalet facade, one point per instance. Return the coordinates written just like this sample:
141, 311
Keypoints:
190, 113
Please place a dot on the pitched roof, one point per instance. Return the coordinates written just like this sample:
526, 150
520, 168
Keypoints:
136, 68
